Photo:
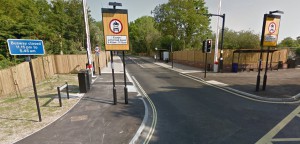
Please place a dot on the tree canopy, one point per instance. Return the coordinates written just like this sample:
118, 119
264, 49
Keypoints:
144, 37
290, 42
59, 24
180, 20
241, 39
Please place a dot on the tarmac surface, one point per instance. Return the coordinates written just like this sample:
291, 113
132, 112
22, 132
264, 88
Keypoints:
96, 120
282, 84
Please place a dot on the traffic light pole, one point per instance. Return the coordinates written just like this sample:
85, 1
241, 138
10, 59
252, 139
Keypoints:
222, 41
205, 65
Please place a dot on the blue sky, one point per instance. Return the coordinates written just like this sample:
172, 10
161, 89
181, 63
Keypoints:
240, 14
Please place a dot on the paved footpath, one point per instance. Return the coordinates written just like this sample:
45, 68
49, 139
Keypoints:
95, 120
282, 85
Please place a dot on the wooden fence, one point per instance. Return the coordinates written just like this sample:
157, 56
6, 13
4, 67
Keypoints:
19, 77
197, 58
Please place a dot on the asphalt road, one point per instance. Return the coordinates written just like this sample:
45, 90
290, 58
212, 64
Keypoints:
190, 112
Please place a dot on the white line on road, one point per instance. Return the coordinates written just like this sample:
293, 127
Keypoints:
136, 62
154, 112
204, 82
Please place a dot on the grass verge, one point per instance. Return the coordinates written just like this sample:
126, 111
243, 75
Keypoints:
18, 113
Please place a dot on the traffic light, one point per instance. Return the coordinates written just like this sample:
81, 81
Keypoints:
204, 46
208, 45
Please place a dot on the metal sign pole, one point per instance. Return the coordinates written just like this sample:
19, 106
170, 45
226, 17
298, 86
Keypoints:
205, 64
99, 64
172, 55
125, 88
34, 88
258, 74
266, 70
113, 75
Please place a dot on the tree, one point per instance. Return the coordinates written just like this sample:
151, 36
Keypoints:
180, 20
144, 37
289, 42
240, 39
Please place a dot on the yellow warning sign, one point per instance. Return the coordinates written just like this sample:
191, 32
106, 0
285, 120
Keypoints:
270, 30
115, 24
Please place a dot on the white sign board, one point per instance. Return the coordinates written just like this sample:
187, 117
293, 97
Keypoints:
116, 40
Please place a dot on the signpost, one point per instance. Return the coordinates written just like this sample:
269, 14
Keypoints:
269, 39
116, 38
97, 52
28, 47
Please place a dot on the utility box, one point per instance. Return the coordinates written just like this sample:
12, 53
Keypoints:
84, 80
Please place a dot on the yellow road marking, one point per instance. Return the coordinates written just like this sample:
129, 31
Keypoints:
285, 139
268, 137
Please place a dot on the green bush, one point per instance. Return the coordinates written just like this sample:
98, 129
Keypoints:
5, 63
298, 51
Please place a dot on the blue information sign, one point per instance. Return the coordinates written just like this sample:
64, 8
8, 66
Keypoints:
25, 47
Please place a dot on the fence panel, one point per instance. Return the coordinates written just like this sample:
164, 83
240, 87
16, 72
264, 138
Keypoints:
22, 75
62, 64
8, 85
19, 77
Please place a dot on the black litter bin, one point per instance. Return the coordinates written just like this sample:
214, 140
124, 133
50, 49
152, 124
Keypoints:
291, 63
280, 64
84, 80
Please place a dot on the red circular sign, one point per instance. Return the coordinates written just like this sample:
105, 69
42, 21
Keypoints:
272, 27
115, 26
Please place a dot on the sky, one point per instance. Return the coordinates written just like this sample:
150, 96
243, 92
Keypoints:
240, 14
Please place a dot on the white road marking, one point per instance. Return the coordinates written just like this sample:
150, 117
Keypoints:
216, 83
218, 87
154, 112
136, 62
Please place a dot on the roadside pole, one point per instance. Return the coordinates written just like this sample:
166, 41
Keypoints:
113, 76
28, 48
34, 88
97, 53
116, 38
205, 65
125, 87
269, 38
172, 55
206, 48
266, 69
